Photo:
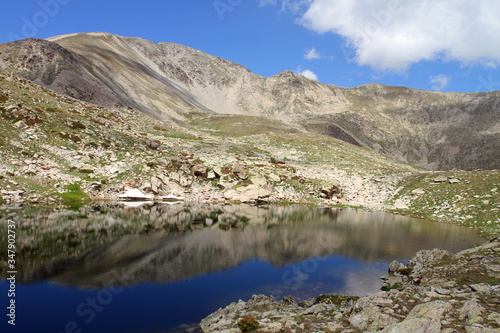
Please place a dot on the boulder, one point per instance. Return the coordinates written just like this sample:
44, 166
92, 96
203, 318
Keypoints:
418, 191
400, 204
152, 144
423, 318
232, 195
395, 266
440, 179
200, 170
240, 171
331, 190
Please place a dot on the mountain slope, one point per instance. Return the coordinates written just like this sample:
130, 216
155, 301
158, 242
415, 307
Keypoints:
168, 81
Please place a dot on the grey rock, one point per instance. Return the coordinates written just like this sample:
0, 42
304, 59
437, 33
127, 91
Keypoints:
423, 318
482, 288
395, 266
152, 144
472, 312
440, 179
331, 190
200, 170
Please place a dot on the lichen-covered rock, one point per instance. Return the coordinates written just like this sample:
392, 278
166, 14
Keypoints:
425, 317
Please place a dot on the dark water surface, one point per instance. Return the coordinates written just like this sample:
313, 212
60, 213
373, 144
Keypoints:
162, 268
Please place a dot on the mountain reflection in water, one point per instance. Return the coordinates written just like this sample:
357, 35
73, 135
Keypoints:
155, 268
203, 240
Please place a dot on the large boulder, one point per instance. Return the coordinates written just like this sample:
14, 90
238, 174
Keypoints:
200, 170
331, 190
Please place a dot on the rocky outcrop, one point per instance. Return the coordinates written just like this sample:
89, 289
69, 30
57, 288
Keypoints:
437, 291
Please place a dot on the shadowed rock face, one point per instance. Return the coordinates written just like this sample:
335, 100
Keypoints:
169, 81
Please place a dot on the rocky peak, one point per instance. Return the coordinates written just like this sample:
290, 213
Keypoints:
433, 130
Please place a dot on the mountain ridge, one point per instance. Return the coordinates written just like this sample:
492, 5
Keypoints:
175, 83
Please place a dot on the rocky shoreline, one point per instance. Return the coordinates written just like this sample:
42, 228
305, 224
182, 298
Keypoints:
436, 291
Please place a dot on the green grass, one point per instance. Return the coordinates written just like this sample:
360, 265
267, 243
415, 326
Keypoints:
74, 195
473, 202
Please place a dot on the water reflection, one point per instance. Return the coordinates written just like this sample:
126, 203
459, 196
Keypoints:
163, 243
156, 268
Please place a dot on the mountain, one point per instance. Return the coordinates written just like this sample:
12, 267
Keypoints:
175, 83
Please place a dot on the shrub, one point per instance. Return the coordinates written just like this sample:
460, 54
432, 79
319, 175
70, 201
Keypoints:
248, 324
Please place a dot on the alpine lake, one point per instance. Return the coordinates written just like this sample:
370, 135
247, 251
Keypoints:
157, 267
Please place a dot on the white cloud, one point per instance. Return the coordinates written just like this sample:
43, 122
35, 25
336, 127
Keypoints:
308, 73
312, 54
439, 82
391, 35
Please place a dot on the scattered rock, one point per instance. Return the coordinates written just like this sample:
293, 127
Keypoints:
400, 204
418, 191
395, 266
440, 179
200, 170
151, 144
331, 190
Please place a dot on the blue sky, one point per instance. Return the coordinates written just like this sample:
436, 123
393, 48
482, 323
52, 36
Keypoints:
447, 45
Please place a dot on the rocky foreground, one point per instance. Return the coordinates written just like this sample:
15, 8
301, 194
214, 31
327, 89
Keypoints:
436, 292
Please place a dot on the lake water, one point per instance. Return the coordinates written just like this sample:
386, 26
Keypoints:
162, 268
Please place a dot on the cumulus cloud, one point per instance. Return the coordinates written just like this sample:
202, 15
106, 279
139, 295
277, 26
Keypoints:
312, 54
439, 82
308, 73
391, 35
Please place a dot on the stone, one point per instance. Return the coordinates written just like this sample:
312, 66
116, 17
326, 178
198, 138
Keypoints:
211, 175
383, 302
156, 182
152, 144
482, 288
232, 195
331, 190
218, 171
454, 181
422, 318
368, 317
400, 204
395, 266
185, 181
259, 180
249, 193
21, 125
418, 191
200, 170
471, 312
441, 179
359, 184
175, 189
240, 171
